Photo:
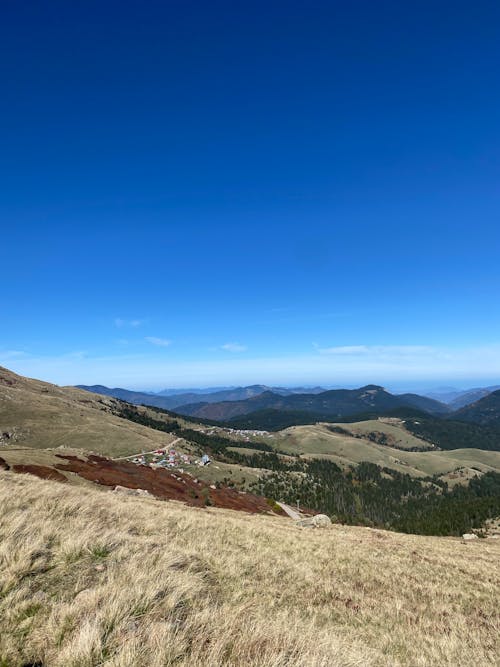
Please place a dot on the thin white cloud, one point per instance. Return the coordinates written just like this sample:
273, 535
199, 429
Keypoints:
343, 349
133, 324
233, 347
376, 350
160, 342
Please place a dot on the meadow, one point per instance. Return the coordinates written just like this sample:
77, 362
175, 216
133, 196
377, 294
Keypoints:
89, 578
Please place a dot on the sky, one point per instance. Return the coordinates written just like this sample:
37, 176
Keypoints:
220, 193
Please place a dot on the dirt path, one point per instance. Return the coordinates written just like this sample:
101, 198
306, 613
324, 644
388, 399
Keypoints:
133, 456
293, 514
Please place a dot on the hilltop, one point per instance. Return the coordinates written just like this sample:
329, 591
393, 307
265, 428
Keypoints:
90, 578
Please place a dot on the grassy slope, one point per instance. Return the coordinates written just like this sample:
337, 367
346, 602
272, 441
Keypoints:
396, 433
91, 579
317, 440
43, 415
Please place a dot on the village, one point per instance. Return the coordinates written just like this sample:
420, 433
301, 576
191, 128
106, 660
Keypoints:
245, 434
170, 458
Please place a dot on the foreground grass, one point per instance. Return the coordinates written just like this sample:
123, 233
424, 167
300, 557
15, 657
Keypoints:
89, 579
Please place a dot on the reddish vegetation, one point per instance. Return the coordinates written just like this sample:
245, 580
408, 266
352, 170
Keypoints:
44, 472
167, 484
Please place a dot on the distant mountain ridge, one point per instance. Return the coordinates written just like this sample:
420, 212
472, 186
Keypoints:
457, 399
334, 404
173, 401
485, 412
265, 403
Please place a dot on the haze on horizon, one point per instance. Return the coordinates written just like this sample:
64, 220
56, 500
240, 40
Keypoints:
278, 193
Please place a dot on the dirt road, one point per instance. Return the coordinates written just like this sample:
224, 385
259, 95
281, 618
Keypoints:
133, 456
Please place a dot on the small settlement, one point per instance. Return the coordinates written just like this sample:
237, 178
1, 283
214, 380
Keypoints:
170, 458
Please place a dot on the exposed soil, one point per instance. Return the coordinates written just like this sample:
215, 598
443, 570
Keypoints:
166, 484
44, 472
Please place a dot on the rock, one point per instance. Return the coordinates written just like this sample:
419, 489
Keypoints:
124, 490
321, 521
469, 536
99, 568
132, 492
317, 521
132, 626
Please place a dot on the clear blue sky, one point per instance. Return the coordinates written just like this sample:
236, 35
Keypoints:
200, 193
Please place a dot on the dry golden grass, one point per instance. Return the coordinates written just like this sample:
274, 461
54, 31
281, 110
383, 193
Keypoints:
91, 579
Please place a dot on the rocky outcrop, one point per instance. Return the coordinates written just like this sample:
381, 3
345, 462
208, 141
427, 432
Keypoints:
317, 521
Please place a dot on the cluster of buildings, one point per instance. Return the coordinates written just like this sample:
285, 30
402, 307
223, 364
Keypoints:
246, 434
169, 458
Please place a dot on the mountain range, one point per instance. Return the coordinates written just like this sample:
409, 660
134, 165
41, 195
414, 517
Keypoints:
170, 401
332, 404
263, 407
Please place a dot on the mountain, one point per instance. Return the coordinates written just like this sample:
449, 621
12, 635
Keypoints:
457, 399
471, 396
485, 412
172, 401
333, 404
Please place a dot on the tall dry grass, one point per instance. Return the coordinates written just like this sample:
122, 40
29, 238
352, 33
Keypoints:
89, 579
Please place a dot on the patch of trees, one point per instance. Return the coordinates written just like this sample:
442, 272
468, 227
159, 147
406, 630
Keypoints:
272, 419
449, 434
131, 413
373, 496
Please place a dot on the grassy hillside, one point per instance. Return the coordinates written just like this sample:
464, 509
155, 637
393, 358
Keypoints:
41, 415
319, 441
91, 579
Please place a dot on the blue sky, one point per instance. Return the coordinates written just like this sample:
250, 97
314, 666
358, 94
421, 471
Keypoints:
204, 193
